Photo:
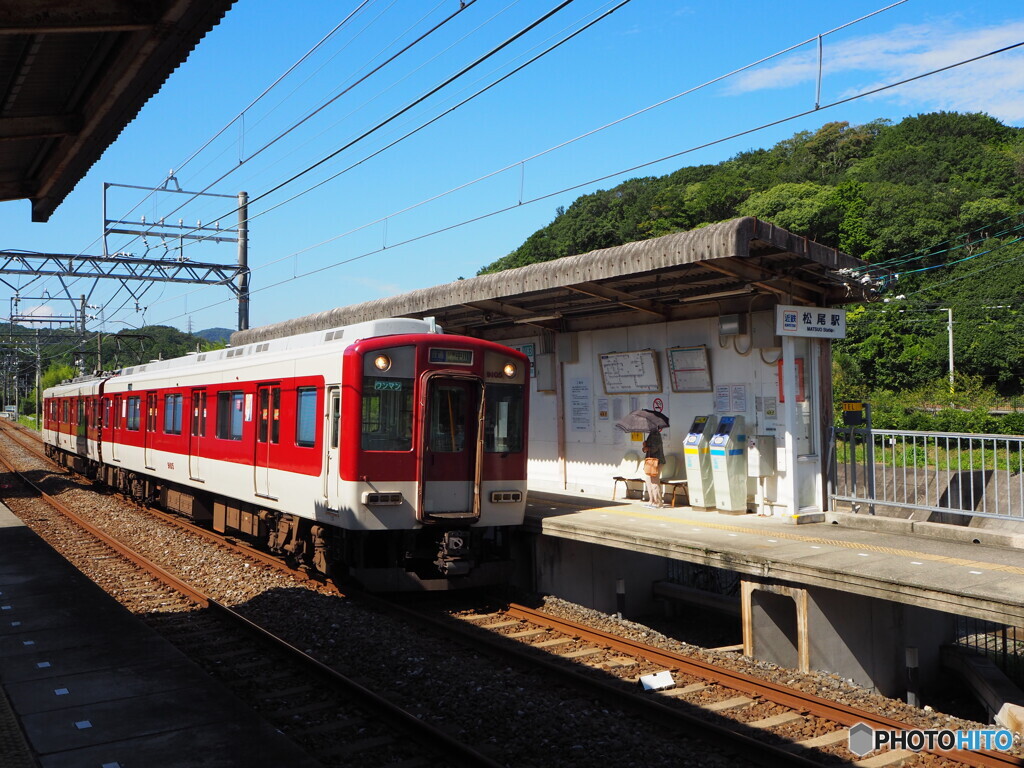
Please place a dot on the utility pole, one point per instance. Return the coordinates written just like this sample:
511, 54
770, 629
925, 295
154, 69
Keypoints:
39, 362
949, 328
243, 261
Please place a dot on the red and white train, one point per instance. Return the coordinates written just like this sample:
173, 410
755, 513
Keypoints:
385, 450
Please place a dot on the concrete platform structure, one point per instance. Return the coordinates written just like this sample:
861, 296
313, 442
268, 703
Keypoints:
832, 596
91, 685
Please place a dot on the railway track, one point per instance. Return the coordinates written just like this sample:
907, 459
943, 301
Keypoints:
334, 718
763, 723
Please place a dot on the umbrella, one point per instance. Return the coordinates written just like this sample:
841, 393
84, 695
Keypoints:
642, 420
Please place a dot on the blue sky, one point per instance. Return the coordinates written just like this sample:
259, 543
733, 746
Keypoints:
410, 217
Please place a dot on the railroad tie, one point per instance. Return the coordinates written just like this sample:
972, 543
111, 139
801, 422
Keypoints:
825, 740
775, 720
580, 653
883, 759
691, 688
555, 641
734, 703
528, 633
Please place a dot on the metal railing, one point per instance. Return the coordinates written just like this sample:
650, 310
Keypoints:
947, 475
1003, 644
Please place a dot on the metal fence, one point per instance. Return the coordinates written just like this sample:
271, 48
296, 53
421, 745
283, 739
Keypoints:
947, 475
1004, 645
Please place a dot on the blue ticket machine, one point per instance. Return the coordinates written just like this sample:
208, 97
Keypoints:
729, 465
700, 486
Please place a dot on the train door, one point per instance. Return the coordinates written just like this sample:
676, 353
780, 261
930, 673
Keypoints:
197, 431
117, 418
332, 432
81, 436
449, 478
268, 435
150, 431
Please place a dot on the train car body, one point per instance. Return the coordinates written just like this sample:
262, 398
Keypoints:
388, 447
71, 422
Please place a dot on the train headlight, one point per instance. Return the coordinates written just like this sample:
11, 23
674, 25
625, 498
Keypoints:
382, 362
509, 370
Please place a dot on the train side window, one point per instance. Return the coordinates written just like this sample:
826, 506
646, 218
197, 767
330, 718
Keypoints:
151, 412
199, 414
229, 415
305, 417
268, 415
133, 414
172, 414
335, 418
503, 421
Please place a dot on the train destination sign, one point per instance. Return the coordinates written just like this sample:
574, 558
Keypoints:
810, 322
451, 356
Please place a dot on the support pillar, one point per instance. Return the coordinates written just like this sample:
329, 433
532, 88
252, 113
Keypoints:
861, 638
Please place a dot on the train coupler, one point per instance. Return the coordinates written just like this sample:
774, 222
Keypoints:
453, 554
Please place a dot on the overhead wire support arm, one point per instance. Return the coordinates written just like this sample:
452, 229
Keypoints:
118, 268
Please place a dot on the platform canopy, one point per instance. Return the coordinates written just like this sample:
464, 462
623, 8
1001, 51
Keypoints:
736, 266
73, 74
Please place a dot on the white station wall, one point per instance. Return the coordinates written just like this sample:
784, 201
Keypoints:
594, 448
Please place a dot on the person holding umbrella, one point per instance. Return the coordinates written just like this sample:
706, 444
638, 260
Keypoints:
654, 457
652, 422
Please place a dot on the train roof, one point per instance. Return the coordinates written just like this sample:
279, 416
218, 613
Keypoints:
220, 359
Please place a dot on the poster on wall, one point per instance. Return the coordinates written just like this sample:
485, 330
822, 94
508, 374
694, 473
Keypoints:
630, 372
580, 401
730, 398
688, 369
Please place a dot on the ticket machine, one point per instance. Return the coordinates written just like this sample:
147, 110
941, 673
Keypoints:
729, 465
699, 485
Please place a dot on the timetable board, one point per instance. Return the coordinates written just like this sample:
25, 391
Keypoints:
625, 373
688, 369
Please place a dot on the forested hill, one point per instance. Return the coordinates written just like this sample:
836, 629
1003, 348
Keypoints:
939, 198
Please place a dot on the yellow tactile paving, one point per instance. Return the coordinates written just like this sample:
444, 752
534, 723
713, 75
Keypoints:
777, 534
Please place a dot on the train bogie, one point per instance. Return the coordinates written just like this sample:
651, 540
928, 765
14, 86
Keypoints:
382, 446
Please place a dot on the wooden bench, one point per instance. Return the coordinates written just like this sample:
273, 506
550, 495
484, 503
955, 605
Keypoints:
673, 475
630, 470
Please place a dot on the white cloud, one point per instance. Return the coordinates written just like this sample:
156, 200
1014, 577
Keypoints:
994, 85
40, 314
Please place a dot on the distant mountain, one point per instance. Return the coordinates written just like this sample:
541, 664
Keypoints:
215, 335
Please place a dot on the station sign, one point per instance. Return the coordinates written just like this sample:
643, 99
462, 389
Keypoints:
810, 322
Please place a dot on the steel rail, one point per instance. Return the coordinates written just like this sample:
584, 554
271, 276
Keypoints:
744, 741
457, 751
840, 713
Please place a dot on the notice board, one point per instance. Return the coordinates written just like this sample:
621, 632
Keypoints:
688, 369
626, 373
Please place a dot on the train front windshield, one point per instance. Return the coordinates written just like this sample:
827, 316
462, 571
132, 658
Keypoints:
387, 414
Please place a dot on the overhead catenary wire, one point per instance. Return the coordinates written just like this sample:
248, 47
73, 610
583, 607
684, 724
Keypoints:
621, 172
310, 115
813, 39
415, 102
562, 144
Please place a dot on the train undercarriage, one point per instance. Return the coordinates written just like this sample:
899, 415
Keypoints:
429, 558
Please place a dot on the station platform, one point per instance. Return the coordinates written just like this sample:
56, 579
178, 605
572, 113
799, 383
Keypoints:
85, 683
965, 571
875, 600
